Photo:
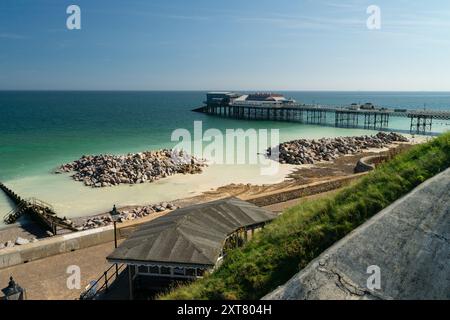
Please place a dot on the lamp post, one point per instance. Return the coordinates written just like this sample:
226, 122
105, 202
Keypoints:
13, 291
115, 215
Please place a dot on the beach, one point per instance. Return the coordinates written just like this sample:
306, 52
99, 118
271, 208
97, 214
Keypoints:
73, 199
214, 183
60, 127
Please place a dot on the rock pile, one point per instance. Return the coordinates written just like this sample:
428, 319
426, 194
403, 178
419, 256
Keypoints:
304, 151
18, 242
110, 170
126, 215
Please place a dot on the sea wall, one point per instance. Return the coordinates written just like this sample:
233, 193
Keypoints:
70, 242
368, 163
88, 238
302, 191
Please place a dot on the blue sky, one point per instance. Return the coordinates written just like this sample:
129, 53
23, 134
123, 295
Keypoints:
232, 44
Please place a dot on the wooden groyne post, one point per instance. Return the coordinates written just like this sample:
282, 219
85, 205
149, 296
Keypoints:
41, 211
11, 194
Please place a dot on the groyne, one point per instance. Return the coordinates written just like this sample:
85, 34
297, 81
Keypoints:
38, 210
70, 242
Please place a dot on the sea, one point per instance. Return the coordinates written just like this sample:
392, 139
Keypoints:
40, 130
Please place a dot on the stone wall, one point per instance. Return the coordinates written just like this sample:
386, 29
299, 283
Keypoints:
302, 191
368, 163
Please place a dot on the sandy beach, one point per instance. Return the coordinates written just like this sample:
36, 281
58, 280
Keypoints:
212, 184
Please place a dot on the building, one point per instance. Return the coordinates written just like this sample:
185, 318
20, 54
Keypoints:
220, 99
354, 106
368, 106
186, 243
265, 96
262, 99
258, 99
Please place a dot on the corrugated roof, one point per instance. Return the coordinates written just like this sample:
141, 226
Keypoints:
190, 235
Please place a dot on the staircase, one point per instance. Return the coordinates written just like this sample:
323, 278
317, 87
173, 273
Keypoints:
42, 211
46, 214
14, 214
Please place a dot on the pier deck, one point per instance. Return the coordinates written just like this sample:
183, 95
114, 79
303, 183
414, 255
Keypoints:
421, 121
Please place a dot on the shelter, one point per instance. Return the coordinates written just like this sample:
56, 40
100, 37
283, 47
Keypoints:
188, 242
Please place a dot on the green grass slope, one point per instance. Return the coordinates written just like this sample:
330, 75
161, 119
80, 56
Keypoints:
291, 241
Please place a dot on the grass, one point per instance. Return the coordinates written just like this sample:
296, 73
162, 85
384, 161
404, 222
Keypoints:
304, 231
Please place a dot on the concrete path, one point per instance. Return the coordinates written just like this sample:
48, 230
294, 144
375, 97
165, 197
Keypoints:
401, 253
46, 279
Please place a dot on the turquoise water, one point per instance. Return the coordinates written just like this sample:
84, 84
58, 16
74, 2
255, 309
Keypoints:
40, 130
43, 129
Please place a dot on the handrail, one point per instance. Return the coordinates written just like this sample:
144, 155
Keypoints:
88, 295
10, 212
14, 211
40, 203
48, 214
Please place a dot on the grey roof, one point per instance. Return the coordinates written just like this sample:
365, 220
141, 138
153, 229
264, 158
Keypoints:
190, 235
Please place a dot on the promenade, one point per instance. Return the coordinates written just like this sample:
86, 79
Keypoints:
47, 278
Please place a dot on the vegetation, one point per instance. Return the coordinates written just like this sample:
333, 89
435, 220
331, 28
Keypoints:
290, 242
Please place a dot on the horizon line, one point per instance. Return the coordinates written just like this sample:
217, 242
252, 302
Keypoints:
213, 90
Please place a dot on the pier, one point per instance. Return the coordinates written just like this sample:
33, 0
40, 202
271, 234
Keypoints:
40, 211
421, 121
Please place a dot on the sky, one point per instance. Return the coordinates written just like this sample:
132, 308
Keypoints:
225, 45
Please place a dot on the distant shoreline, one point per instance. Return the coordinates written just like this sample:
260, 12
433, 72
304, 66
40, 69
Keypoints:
242, 89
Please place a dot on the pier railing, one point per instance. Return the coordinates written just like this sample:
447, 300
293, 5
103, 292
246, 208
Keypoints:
39, 203
421, 120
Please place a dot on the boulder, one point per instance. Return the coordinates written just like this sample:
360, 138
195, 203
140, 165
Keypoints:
21, 241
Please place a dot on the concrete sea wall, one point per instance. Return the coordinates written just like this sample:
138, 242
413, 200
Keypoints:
69, 242
400, 253
88, 238
302, 191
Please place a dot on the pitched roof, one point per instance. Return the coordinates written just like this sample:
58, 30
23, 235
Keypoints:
190, 235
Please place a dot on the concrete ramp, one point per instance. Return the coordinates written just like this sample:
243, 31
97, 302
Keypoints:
409, 243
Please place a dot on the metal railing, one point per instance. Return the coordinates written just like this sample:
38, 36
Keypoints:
103, 283
14, 214
40, 203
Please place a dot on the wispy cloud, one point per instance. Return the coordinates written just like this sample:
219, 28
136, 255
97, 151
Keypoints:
419, 21
13, 36
340, 5
151, 14
304, 22
185, 17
